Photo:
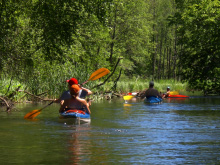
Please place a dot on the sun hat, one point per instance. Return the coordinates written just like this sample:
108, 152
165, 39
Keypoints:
72, 81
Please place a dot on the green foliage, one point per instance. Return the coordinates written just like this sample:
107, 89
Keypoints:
43, 43
129, 29
57, 22
137, 85
8, 89
198, 29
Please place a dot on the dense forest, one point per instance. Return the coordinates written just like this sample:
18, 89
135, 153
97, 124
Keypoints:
45, 42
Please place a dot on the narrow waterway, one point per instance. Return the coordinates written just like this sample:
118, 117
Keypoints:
178, 131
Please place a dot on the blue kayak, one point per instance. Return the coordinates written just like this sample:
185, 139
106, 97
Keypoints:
75, 114
153, 100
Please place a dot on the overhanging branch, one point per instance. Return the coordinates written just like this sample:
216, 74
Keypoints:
109, 75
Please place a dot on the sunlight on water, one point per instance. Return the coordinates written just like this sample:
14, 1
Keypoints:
182, 131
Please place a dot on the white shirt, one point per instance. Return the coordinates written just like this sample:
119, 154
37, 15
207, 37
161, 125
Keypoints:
66, 94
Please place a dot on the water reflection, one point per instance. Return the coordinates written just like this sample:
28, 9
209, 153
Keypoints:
176, 100
127, 108
78, 147
174, 132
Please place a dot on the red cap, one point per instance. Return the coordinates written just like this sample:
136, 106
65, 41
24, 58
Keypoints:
72, 81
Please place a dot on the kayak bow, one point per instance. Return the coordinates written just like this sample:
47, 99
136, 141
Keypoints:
153, 100
75, 114
127, 97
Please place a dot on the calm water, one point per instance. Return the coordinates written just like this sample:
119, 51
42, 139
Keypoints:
183, 131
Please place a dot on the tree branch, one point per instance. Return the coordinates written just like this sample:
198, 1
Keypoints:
6, 103
109, 75
33, 95
115, 83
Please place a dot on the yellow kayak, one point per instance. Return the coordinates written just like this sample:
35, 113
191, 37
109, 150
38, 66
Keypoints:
127, 97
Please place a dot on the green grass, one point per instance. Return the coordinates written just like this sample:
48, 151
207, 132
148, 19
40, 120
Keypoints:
8, 87
55, 88
124, 87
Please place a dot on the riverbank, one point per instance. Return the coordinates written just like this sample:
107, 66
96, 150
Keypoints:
17, 92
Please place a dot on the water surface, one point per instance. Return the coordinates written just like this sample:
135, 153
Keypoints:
178, 131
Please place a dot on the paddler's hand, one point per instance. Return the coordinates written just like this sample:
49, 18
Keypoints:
61, 102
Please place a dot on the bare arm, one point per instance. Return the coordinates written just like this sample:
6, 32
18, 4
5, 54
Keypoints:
143, 94
65, 95
84, 102
159, 95
87, 90
62, 107
64, 104
57, 100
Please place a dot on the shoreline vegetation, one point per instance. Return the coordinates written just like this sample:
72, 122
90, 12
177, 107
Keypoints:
45, 43
18, 93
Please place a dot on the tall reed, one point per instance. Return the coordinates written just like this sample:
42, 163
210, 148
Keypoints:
52, 80
125, 86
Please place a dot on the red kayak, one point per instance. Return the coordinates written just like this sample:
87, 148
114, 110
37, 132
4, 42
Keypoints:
178, 96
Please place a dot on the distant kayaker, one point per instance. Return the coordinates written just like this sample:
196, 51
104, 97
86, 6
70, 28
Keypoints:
75, 102
167, 93
66, 94
151, 92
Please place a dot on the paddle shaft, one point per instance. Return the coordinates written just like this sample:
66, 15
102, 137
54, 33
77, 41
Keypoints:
47, 105
84, 83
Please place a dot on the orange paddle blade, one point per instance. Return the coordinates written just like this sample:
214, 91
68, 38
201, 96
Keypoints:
99, 73
32, 114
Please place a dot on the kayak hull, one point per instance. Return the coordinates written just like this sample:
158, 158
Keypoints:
73, 115
127, 97
153, 100
178, 96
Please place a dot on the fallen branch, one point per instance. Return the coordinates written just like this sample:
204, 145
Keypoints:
33, 95
116, 81
6, 103
42, 93
109, 75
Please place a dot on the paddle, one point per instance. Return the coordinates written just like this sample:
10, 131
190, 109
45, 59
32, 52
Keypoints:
34, 113
95, 75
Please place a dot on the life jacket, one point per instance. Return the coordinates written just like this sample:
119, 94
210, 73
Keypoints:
68, 110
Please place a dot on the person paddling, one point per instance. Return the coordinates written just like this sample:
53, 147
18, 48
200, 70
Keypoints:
66, 94
151, 92
75, 102
167, 93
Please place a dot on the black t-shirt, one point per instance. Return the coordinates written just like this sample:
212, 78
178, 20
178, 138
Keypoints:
152, 92
83, 94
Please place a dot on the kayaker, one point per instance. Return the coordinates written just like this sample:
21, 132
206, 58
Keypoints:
151, 92
66, 94
75, 102
167, 93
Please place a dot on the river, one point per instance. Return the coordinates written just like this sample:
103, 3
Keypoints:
184, 131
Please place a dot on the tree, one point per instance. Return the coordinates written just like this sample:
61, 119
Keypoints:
199, 35
163, 57
35, 32
129, 29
